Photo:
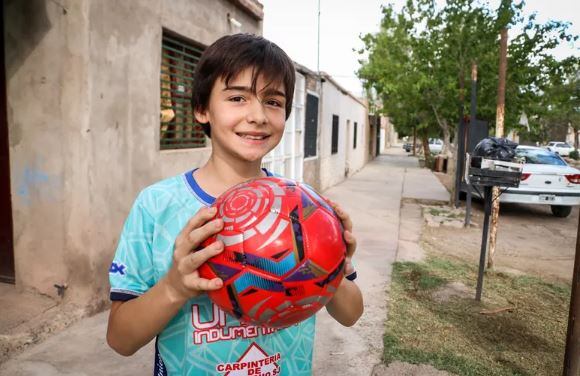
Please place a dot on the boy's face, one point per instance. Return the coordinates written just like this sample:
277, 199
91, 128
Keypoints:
245, 126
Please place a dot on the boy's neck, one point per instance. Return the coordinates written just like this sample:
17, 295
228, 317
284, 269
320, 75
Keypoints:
218, 175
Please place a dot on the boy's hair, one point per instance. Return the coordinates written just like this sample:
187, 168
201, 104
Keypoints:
229, 56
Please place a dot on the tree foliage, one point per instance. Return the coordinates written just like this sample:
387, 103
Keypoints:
560, 102
418, 65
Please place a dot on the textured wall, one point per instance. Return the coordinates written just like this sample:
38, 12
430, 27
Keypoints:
83, 114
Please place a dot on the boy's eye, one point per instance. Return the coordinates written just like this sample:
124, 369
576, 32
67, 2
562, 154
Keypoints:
274, 102
237, 98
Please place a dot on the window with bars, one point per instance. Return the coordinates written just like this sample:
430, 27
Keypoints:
355, 133
334, 134
179, 130
311, 126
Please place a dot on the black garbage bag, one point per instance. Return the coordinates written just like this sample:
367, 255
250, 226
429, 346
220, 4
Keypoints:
496, 148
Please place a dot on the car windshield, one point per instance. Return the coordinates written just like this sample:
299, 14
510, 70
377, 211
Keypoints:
538, 156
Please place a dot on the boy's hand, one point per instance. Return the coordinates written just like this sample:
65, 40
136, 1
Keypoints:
183, 280
348, 236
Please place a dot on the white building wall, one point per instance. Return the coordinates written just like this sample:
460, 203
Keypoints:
287, 159
335, 167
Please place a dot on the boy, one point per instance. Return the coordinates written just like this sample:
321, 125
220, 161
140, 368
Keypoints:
242, 93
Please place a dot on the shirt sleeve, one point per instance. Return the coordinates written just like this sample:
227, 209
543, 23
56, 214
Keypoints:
131, 273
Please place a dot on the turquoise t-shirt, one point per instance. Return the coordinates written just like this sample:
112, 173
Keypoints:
201, 339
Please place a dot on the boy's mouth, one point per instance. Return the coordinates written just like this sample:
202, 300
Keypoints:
253, 136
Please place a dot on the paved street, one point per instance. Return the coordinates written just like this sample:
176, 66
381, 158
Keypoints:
373, 199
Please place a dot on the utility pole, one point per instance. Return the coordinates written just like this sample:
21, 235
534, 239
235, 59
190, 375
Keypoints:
460, 142
414, 139
499, 120
472, 120
572, 354
318, 45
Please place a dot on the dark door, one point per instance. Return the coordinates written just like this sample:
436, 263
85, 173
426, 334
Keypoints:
378, 137
6, 245
311, 126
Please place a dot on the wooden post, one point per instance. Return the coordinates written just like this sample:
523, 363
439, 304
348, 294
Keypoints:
499, 120
414, 140
472, 121
460, 135
572, 354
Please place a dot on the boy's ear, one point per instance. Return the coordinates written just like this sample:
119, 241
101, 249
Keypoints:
201, 116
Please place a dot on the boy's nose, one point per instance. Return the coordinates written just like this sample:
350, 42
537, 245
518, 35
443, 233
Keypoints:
256, 113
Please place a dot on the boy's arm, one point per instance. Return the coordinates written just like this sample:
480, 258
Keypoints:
346, 306
132, 324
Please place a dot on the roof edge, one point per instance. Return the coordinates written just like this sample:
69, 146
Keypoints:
328, 77
252, 7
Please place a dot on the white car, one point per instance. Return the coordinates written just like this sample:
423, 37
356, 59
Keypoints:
435, 145
561, 148
546, 179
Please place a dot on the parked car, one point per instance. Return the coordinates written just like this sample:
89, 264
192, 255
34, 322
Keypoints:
435, 145
408, 147
561, 148
546, 180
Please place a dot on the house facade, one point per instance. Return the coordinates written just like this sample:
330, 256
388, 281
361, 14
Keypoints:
344, 133
97, 107
85, 83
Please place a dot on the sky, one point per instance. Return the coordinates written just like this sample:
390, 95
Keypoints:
293, 25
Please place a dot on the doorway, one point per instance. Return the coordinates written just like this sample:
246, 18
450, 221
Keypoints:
6, 239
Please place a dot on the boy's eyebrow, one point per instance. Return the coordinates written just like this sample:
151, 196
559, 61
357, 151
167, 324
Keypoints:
267, 91
272, 91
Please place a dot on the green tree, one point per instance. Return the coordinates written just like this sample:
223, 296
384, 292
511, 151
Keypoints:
561, 98
418, 64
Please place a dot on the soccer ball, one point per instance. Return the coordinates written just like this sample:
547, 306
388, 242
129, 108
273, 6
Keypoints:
284, 252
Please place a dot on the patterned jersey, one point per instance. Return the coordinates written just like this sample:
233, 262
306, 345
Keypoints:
201, 339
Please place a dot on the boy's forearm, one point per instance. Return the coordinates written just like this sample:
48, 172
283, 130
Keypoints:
346, 306
134, 323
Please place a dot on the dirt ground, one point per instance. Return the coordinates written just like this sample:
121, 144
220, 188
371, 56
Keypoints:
530, 239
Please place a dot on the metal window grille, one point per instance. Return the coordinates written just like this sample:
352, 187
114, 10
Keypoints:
179, 130
311, 126
286, 158
355, 134
334, 134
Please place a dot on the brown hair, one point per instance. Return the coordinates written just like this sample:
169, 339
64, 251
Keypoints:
229, 56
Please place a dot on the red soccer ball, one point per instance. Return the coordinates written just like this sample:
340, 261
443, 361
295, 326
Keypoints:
284, 252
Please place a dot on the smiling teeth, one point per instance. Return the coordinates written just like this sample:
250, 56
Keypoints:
253, 137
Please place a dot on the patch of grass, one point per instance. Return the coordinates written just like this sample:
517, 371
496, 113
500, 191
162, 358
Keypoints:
444, 212
436, 212
447, 361
455, 336
418, 277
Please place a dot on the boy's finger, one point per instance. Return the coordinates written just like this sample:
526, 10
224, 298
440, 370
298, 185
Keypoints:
198, 235
201, 217
193, 282
348, 267
194, 260
198, 220
350, 243
344, 217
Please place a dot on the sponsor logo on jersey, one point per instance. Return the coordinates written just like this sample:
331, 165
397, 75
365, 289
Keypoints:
254, 361
117, 268
217, 328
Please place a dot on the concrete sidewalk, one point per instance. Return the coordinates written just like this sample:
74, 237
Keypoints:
373, 198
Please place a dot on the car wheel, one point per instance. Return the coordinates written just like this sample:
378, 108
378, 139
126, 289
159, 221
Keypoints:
561, 211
